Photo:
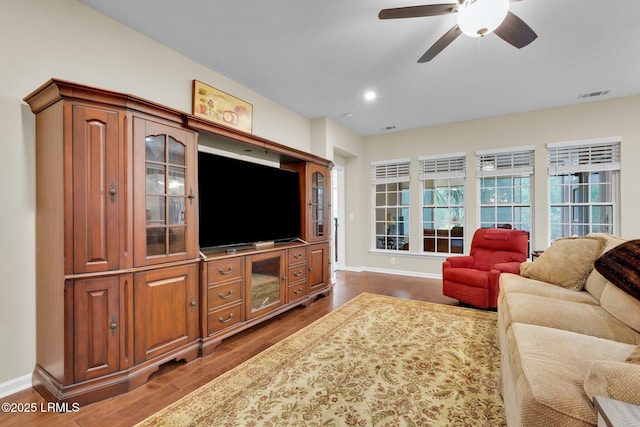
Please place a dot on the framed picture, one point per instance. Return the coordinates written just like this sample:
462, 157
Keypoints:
220, 107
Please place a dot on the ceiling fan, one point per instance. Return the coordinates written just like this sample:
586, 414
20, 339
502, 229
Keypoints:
476, 18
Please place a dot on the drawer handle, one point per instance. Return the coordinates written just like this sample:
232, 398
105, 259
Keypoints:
298, 273
228, 295
221, 271
298, 255
221, 320
297, 291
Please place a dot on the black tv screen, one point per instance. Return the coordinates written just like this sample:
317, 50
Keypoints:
243, 202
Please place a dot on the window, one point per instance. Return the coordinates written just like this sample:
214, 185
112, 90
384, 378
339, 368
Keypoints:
583, 187
390, 182
443, 203
505, 179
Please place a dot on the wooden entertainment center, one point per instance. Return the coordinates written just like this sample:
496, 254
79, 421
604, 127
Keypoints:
122, 285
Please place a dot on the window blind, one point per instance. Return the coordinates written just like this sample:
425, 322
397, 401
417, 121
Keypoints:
391, 171
583, 157
505, 163
435, 167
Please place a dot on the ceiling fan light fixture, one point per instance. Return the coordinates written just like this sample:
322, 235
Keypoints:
481, 17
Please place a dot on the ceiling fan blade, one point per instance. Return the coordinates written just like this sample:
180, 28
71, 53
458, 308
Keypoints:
442, 42
417, 11
515, 32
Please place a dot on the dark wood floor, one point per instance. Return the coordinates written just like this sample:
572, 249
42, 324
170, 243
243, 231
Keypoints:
175, 380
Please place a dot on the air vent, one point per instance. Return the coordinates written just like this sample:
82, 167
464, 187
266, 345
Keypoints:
392, 127
593, 94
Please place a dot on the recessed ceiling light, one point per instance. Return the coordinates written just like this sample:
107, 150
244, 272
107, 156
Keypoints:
369, 95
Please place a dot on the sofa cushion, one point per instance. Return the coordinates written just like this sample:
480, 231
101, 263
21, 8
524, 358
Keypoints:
621, 266
549, 367
587, 319
596, 282
515, 284
512, 283
621, 305
567, 262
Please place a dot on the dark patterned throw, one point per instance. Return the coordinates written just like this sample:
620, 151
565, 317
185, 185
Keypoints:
621, 266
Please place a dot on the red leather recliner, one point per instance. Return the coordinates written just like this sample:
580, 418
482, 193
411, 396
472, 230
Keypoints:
473, 279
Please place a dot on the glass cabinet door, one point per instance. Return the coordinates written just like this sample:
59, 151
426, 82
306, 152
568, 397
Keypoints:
168, 194
317, 197
165, 197
318, 203
265, 273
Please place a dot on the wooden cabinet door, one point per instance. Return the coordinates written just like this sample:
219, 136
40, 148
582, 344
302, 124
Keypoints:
97, 327
318, 266
166, 310
98, 196
318, 194
165, 212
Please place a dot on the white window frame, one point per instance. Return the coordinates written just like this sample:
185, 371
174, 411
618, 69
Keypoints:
390, 233
439, 168
585, 158
512, 163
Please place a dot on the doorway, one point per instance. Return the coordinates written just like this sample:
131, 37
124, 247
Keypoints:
338, 218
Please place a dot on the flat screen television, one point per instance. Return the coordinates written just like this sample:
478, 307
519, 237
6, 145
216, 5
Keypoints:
243, 202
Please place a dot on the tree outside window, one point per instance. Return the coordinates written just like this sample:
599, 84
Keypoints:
443, 215
443, 188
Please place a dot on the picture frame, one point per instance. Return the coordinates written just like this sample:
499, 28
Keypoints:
219, 107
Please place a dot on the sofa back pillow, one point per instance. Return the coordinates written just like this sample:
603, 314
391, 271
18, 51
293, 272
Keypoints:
567, 262
621, 305
596, 282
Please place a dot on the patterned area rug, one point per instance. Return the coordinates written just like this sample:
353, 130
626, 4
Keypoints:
376, 361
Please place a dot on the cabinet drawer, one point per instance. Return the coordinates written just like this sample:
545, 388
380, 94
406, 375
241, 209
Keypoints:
296, 274
224, 318
297, 255
297, 291
223, 270
224, 294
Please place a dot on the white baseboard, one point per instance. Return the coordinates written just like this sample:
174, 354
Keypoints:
396, 272
354, 269
15, 385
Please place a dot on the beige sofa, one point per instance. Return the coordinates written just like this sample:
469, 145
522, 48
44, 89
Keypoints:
566, 341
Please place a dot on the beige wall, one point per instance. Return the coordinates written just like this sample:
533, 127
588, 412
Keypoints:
615, 117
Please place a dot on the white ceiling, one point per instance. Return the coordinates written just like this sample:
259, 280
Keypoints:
318, 57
